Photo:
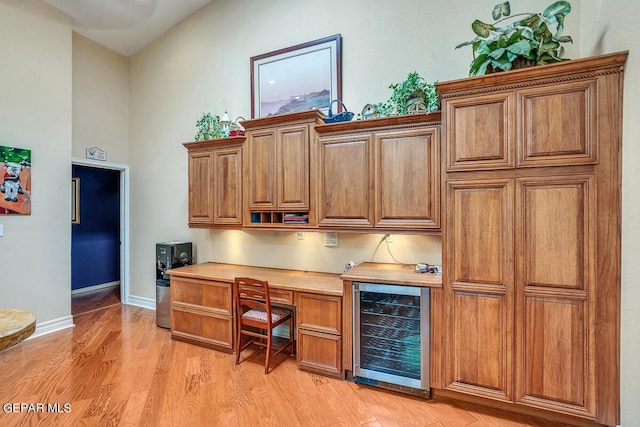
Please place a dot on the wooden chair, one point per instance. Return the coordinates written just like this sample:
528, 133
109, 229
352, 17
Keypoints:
256, 318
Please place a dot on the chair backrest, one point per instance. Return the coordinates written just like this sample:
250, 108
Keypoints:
252, 294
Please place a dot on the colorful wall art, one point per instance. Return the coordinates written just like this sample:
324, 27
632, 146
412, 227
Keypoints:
15, 185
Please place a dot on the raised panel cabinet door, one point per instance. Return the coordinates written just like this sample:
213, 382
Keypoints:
559, 124
200, 188
345, 181
480, 132
293, 168
227, 186
322, 313
208, 295
261, 170
478, 286
320, 353
208, 329
407, 184
555, 293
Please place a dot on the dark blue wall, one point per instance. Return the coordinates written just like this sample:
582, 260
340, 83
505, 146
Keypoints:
95, 242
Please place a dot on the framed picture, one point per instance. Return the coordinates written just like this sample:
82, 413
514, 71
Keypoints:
15, 184
75, 200
298, 78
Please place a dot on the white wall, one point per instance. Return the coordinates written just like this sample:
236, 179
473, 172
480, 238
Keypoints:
35, 113
100, 100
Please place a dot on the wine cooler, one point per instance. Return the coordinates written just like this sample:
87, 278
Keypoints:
391, 337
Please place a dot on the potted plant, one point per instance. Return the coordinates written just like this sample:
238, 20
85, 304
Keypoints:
413, 95
523, 42
209, 127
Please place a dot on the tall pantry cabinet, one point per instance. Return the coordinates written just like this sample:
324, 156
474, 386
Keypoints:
531, 238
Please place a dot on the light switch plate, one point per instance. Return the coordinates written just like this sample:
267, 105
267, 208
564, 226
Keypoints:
330, 239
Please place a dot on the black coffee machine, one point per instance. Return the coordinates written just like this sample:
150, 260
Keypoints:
172, 254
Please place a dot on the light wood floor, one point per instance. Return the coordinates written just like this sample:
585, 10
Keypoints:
117, 368
94, 300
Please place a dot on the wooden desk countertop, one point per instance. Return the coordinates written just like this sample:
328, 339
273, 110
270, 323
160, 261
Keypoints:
397, 274
293, 280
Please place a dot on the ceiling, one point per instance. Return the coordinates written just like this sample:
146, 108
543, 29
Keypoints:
126, 26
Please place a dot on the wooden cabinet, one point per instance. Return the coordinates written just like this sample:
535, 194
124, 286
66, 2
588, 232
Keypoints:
319, 325
531, 238
202, 312
277, 170
480, 287
215, 182
380, 174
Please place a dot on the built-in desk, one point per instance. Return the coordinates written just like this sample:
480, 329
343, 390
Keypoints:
202, 310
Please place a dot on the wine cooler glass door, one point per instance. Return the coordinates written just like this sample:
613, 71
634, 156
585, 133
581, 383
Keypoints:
392, 334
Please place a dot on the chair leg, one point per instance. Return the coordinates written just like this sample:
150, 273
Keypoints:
291, 339
238, 341
266, 360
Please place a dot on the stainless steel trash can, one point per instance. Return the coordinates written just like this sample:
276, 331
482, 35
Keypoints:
163, 303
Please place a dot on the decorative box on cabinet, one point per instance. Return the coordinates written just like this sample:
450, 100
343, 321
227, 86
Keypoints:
202, 312
215, 182
381, 174
319, 326
533, 202
278, 190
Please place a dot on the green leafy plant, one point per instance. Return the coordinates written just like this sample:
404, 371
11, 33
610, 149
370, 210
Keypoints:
523, 42
412, 89
209, 127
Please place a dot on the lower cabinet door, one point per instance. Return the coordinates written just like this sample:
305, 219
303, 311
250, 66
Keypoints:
206, 329
320, 353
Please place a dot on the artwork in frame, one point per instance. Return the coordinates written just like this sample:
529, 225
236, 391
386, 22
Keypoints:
75, 200
298, 78
15, 187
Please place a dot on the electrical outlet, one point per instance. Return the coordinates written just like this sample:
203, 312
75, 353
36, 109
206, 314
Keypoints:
330, 239
389, 238
300, 235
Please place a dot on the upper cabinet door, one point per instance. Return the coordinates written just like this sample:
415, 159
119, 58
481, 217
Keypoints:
292, 156
479, 132
345, 174
200, 188
261, 167
227, 186
407, 178
559, 124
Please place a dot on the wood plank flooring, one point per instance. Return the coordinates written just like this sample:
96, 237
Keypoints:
117, 368
94, 300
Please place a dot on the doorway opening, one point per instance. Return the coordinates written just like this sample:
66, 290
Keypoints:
99, 237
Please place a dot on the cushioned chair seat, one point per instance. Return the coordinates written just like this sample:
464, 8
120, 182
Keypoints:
277, 313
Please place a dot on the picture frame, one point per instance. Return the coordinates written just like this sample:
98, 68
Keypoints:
75, 200
298, 78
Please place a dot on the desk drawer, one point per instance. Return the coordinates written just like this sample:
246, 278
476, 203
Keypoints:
321, 313
281, 296
320, 353
205, 293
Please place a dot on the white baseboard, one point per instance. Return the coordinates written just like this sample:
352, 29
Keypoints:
50, 326
141, 302
96, 287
